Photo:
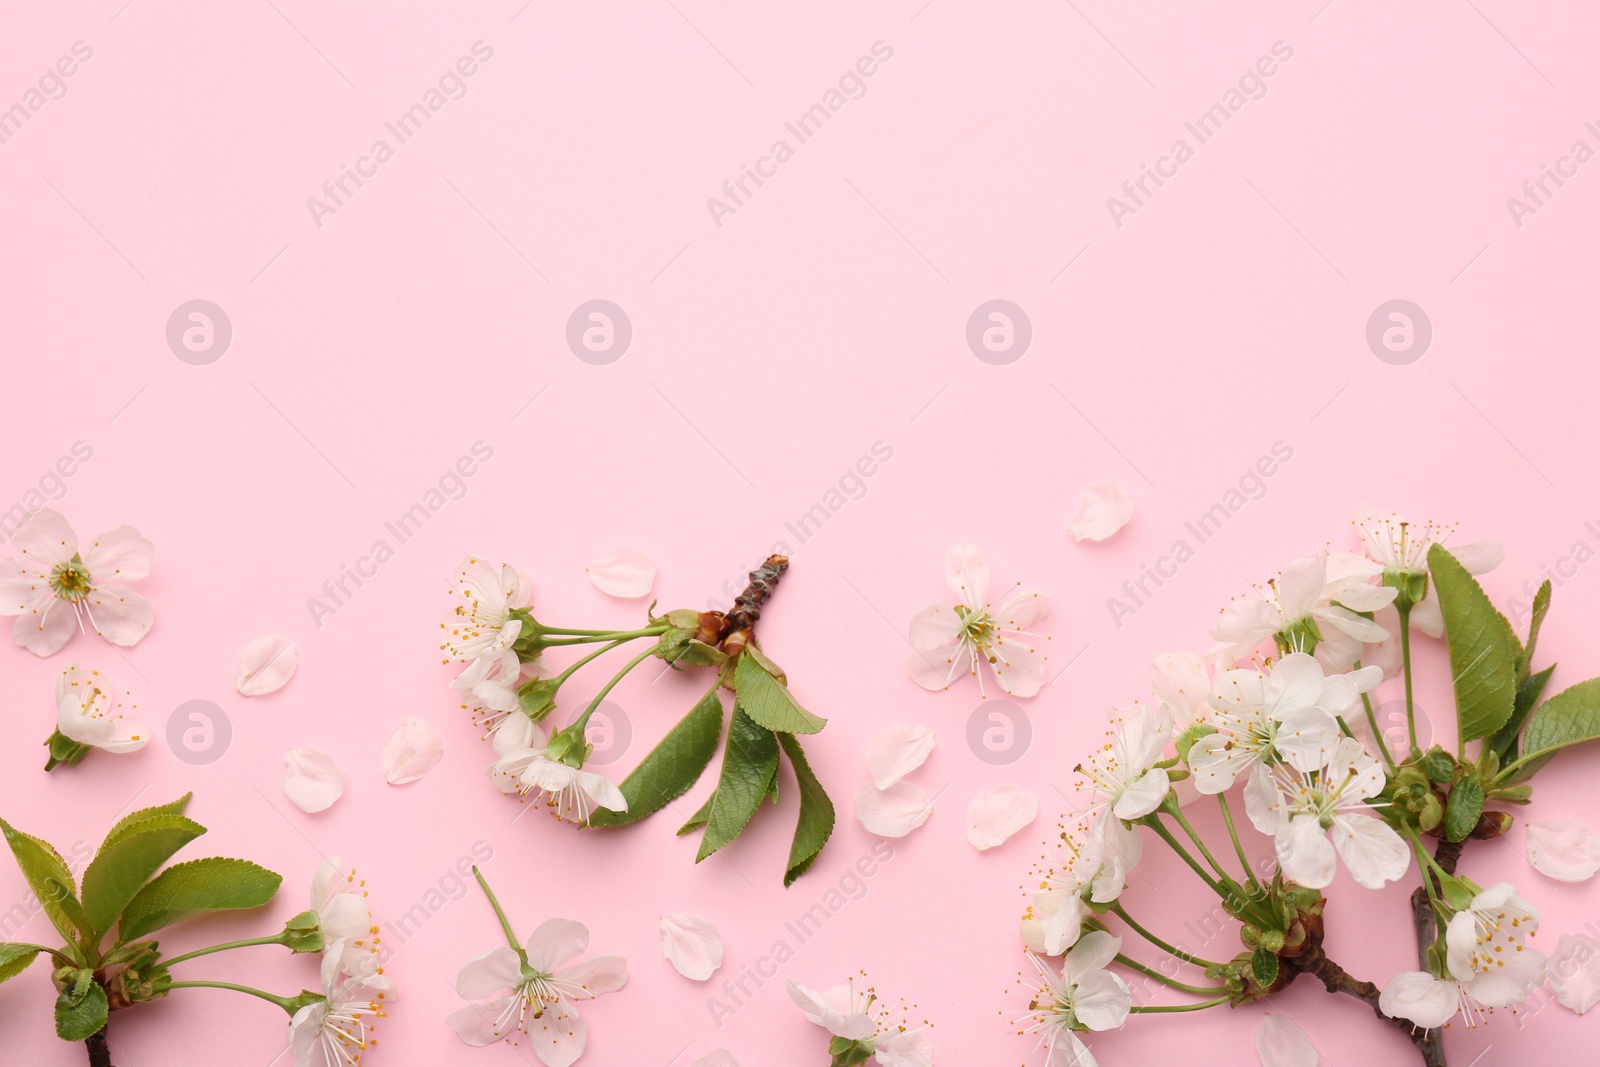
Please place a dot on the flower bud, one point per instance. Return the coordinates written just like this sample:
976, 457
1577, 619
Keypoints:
1491, 824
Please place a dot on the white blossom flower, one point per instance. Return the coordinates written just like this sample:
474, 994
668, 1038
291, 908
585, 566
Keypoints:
1126, 779
1084, 996
483, 623
90, 710
1487, 947
335, 1031
1094, 870
1285, 714
1303, 809
1179, 680
488, 688
855, 1015
339, 900
1401, 548
951, 641
54, 585
571, 793
1305, 603
536, 997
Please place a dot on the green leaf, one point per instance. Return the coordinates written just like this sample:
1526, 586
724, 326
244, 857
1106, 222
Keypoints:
1264, 963
1541, 605
1439, 766
672, 766
186, 889
81, 1014
14, 959
1462, 810
699, 818
767, 701
1569, 717
749, 760
126, 861
47, 875
175, 807
1483, 650
816, 812
1532, 687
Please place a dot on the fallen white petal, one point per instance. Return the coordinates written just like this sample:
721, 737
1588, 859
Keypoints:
622, 572
1564, 849
310, 779
1103, 509
717, 1057
1280, 1043
897, 752
411, 752
692, 944
1574, 972
265, 665
998, 812
892, 812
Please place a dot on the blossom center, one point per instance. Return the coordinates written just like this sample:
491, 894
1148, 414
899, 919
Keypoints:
71, 580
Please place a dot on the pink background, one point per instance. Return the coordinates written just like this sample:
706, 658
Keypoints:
768, 354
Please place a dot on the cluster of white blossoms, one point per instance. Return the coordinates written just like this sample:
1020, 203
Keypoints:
336, 1030
1280, 710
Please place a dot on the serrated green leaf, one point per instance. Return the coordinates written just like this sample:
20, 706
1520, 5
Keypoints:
127, 860
749, 760
815, 825
767, 701
47, 875
79, 1016
175, 807
1439, 766
698, 820
674, 765
185, 889
1462, 810
1505, 740
1264, 964
14, 959
1541, 606
1570, 717
1483, 650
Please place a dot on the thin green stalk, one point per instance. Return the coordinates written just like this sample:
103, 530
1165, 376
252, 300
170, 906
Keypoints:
1377, 735
1166, 835
1154, 1009
505, 923
275, 939
282, 1002
617, 635
583, 720
596, 654
1404, 608
1177, 813
1198, 990
1238, 848
1118, 910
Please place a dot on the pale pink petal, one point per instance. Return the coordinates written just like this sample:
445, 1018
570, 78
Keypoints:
897, 752
412, 751
265, 665
1574, 972
717, 1057
1480, 557
1418, 996
477, 1024
1427, 617
966, 571
1564, 849
594, 976
1280, 1043
493, 972
556, 941
310, 779
119, 614
938, 658
622, 572
120, 555
558, 1037
998, 812
892, 812
692, 944
46, 629
1103, 509
1022, 609
45, 537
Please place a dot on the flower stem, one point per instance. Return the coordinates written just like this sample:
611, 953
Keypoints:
1378, 739
276, 939
1403, 606
282, 1002
583, 720
1118, 910
610, 635
1244, 861
596, 654
1166, 835
499, 912
1153, 1009
1198, 990
1177, 813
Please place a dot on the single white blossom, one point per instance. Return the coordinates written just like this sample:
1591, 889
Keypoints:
335, 1031
856, 1015
339, 900
1488, 951
92, 711
525, 767
54, 585
1126, 779
483, 623
489, 688
950, 642
1095, 869
1400, 548
1303, 604
1083, 996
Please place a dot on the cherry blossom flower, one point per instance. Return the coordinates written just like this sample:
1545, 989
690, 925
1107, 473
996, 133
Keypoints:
54, 585
535, 992
1303, 605
855, 1015
1083, 996
950, 642
1094, 870
489, 688
1126, 779
1304, 809
1487, 947
1285, 714
486, 621
339, 900
525, 767
1400, 548
90, 711
335, 1031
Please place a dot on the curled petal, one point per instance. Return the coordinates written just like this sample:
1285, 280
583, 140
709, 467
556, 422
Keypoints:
1480, 557
897, 752
1427, 1001
265, 665
1103, 509
998, 812
1575, 972
1564, 849
1280, 1043
692, 944
412, 751
622, 572
893, 812
311, 781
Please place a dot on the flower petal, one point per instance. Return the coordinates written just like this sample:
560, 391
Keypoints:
1480, 557
892, 812
120, 615
966, 572
1564, 849
1575, 972
558, 1037
46, 628
596, 975
311, 781
265, 665
478, 1024
412, 751
998, 812
897, 752
1103, 509
1101, 1000
555, 942
1304, 852
493, 972
1427, 1001
717, 1057
938, 657
622, 572
45, 537
120, 555
1280, 1043
692, 944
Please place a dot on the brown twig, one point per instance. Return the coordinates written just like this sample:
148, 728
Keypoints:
763, 581
99, 1049
1337, 980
